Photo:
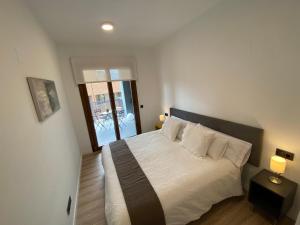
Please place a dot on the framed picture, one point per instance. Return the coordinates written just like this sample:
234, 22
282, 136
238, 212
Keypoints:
44, 97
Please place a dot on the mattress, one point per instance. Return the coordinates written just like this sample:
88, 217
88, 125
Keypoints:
187, 186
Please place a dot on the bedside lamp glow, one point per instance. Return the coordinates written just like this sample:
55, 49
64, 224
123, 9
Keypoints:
277, 165
162, 118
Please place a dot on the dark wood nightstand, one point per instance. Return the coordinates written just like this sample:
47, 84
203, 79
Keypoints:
274, 199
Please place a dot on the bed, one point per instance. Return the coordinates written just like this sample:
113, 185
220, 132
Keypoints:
187, 186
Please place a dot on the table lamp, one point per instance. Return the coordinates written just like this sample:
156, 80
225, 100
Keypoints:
277, 165
162, 118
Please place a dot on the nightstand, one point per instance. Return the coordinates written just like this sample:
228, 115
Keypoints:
273, 199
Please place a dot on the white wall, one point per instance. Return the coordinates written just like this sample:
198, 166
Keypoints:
240, 61
147, 85
39, 162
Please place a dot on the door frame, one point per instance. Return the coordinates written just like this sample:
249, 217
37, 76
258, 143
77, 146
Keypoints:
113, 109
89, 116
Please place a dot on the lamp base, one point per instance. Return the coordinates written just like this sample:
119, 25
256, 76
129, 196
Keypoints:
275, 180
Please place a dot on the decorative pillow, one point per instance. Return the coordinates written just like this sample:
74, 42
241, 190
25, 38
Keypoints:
196, 139
170, 128
183, 124
218, 147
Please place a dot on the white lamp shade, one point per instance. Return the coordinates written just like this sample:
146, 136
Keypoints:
278, 164
162, 118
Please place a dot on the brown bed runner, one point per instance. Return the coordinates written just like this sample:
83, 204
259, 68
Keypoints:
143, 204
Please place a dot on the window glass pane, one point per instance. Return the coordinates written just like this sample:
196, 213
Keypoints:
124, 108
102, 113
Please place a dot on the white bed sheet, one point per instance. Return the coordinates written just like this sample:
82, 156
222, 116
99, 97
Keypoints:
186, 186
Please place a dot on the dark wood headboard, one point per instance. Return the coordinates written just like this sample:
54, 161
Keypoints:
250, 134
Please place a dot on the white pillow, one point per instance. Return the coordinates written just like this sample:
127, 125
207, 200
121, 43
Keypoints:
170, 128
196, 139
218, 147
238, 151
183, 124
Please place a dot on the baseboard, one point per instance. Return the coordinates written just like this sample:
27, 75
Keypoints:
77, 192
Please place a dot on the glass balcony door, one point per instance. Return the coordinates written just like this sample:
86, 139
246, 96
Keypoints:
102, 112
124, 108
111, 110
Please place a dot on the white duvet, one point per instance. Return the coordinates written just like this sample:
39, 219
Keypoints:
186, 186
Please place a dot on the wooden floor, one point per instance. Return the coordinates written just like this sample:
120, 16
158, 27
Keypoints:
234, 211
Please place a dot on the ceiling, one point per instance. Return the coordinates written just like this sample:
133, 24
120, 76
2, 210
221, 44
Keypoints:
137, 22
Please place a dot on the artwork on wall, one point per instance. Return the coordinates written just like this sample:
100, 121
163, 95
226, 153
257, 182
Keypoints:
44, 96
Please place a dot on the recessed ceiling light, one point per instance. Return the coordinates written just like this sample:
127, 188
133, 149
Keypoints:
107, 26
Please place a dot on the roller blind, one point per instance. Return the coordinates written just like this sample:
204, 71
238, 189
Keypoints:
120, 74
103, 69
90, 76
